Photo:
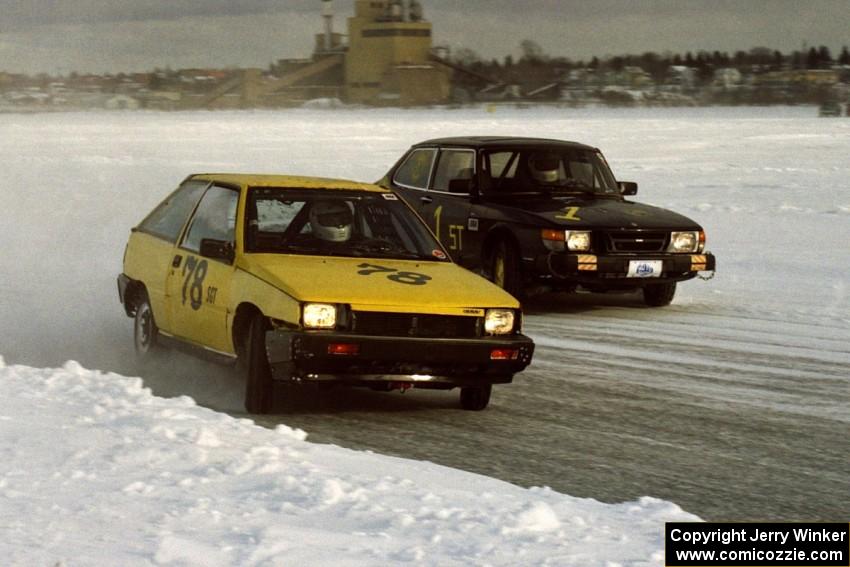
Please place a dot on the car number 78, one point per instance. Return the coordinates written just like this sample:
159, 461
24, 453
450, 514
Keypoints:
409, 278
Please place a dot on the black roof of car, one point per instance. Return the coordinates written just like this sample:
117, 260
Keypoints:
501, 142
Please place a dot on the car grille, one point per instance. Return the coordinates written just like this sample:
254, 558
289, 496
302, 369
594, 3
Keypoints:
629, 241
404, 324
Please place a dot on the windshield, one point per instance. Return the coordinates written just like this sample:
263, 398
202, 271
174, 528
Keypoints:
546, 171
336, 223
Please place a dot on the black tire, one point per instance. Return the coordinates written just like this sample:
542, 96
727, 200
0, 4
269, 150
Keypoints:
145, 331
659, 295
475, 398
254, 365
505, 268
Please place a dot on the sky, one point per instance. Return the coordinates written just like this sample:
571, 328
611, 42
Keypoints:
127, 35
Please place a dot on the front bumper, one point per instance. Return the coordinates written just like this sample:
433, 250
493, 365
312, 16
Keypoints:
306, 355
596, 269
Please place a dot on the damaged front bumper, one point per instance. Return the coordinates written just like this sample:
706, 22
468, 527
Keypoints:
348, 357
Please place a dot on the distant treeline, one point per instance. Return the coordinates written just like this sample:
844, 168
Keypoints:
534, 61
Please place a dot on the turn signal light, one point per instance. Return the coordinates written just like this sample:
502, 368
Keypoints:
553, 235
504, 354
344, 349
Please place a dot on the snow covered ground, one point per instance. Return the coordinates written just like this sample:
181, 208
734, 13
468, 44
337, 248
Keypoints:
94, 470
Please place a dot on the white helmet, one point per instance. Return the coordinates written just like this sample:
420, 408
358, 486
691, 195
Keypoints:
331, 220
545, 167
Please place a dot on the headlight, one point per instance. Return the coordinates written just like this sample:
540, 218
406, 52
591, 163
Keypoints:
684, 241
319, 315
499, 321
578, 240
572, 240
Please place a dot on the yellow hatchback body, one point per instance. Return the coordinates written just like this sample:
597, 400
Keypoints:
308, 279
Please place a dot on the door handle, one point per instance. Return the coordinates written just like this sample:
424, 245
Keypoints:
426, 200
175, 263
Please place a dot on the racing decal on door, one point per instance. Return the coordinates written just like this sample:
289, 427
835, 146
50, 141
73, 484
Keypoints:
455, 237
455, 231
194, 272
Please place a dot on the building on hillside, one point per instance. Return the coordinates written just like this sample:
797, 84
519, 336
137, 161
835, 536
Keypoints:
389, 56
386, 61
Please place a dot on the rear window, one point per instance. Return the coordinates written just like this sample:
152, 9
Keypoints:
168, 218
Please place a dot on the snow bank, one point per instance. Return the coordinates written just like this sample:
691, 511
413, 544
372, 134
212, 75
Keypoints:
95, 470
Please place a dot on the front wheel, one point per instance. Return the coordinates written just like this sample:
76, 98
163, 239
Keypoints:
475, 398
254, 365
659, 295
145, 331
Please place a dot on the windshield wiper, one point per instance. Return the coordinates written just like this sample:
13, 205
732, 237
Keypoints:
386, 252
571, 186
311, 250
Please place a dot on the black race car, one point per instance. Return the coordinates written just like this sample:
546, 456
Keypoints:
528, 212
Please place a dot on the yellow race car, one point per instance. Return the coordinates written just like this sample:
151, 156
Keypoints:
306, 279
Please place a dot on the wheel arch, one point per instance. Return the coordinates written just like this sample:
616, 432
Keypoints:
245, 313
135, 292
497, 234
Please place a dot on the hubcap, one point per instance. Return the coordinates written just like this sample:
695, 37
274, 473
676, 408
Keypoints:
143, 329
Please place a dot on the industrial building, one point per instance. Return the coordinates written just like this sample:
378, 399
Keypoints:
385, 58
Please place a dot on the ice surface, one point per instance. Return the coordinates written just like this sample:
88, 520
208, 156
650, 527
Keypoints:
94, 470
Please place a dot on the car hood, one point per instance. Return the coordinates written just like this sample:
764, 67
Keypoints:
378, 283
606, 213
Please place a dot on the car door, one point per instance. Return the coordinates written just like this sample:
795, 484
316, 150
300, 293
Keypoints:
425, 178
446, 204
199, 287
151, 248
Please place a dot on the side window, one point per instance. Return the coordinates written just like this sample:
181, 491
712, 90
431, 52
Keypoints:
453, 164
215, 218
500, 160
167, 220
416, 169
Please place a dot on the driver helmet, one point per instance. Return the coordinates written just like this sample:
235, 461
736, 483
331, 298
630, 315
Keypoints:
331, 220
545, 167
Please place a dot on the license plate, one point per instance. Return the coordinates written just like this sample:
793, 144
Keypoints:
645, 268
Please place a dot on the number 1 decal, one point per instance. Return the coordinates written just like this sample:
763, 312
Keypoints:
438, 212
569, 214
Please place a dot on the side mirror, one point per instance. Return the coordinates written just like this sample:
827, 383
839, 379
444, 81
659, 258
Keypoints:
217, 250
627, 187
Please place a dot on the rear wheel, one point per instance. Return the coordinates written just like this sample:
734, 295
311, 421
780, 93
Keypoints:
475, 398
254, 365
145, 331
659, 295
505, 268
